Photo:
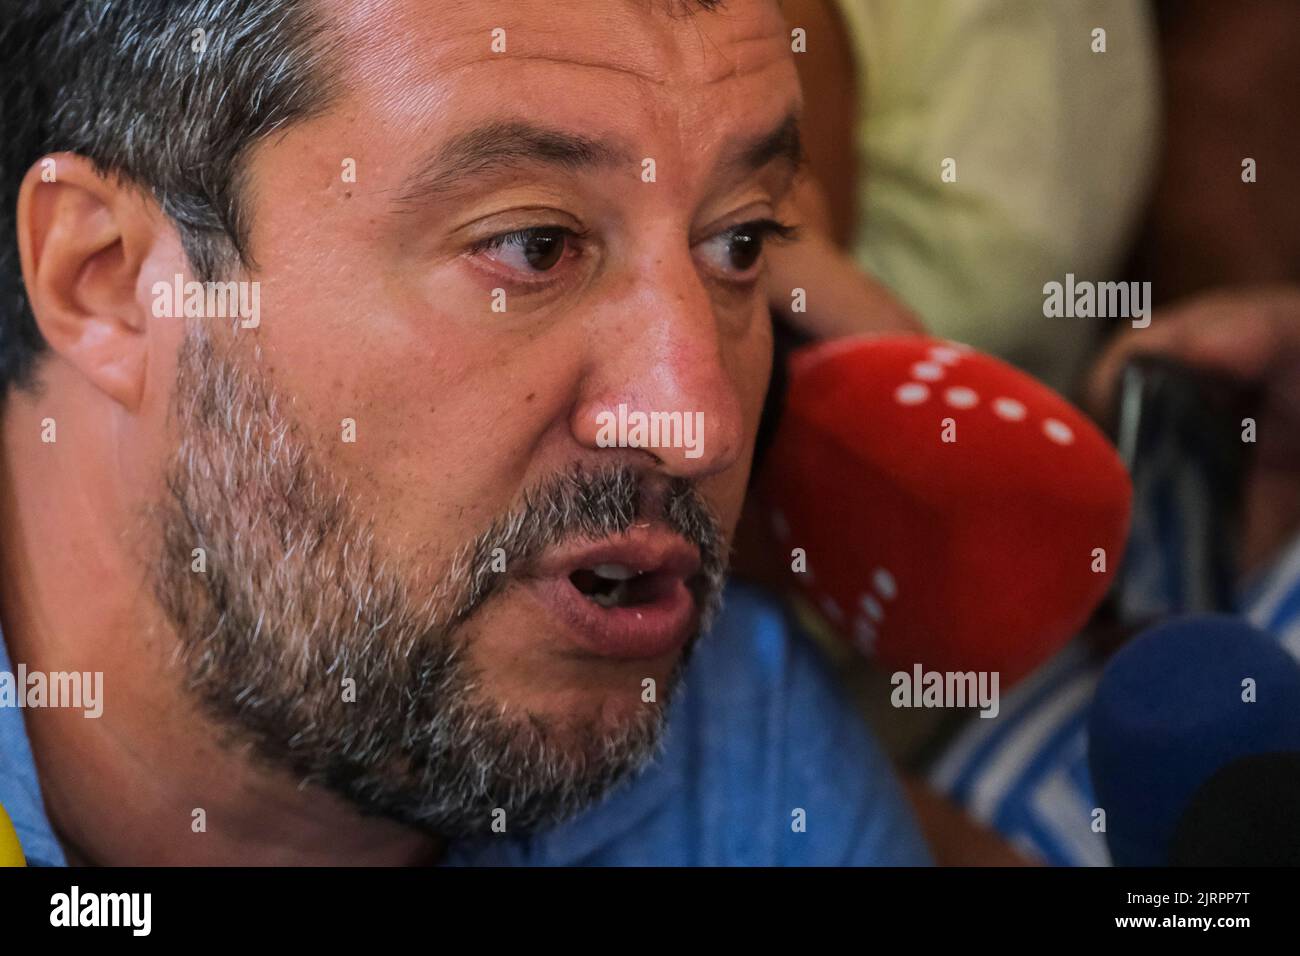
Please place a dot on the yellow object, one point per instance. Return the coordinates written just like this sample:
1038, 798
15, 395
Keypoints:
11, 851
1000, 150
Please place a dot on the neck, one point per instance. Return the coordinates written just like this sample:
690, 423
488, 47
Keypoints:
149, 781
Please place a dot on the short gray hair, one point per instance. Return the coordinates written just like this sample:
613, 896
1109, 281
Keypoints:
135, 88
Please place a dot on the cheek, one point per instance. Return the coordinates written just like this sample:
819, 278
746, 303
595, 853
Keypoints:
437, 457
749, 363
429, 430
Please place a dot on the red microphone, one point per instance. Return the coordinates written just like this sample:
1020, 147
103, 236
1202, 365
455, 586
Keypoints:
952, 511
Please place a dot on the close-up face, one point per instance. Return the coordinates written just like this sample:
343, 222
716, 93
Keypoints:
513, 224
420, 421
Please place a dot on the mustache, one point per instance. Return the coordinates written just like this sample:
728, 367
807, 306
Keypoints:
589, 504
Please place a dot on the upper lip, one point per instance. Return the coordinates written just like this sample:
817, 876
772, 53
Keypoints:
644, 548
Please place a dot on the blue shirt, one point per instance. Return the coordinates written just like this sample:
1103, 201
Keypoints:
765, 762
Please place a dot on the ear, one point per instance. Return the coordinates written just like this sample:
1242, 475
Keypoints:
82, 238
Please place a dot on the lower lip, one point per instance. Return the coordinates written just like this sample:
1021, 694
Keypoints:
654, 629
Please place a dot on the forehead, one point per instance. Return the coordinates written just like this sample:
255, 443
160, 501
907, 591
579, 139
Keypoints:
420, 64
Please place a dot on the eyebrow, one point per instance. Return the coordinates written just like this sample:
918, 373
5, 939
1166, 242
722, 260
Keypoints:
515, 144
784, 144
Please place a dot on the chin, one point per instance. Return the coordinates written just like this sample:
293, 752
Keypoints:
586, 689
535, 664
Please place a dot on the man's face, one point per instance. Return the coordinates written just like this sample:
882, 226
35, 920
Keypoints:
546, 222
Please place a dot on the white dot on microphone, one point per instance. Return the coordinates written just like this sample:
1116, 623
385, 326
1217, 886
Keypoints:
945, 355
1010, 409
927, 371
1058, 431
912, 393
832, 610
872, 608
884, 584
864, 636
961, 397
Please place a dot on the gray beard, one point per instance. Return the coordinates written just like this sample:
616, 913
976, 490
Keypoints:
297, 603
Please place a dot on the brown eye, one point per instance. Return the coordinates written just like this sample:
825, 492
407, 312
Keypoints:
735, 252
542, 248
744, 250
536, 249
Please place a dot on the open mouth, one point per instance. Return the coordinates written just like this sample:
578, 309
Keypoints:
618, 585
633, 595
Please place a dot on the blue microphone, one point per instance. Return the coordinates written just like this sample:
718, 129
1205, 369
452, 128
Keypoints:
1177, 704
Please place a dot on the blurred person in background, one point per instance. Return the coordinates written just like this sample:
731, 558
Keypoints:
1222, 250
1052, 143
890, 246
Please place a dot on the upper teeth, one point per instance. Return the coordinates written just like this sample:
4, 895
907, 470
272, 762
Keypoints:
614, 572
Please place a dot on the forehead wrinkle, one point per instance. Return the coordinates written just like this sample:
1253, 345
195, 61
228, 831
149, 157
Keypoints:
505, 145
391, 55
380, 41
670, 63
658, 78
384, 42
396, 51
739, 67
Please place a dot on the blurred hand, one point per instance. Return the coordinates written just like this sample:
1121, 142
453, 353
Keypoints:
841, 299
1252, 335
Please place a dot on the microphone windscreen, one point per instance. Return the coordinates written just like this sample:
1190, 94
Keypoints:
951, 510
1173, 706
